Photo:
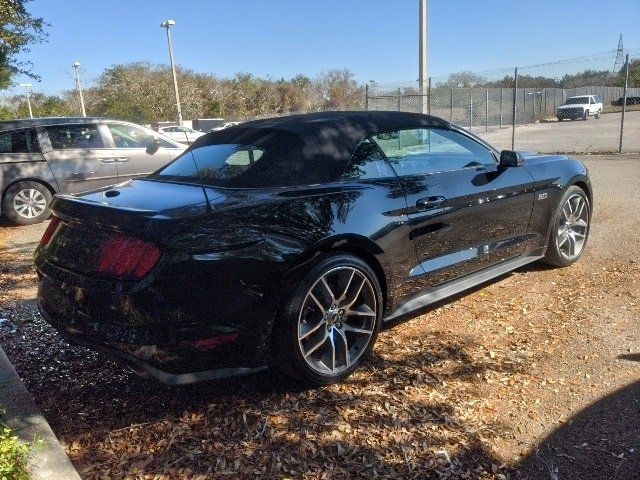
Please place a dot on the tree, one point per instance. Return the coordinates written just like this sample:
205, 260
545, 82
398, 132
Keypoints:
18, 30
465, 79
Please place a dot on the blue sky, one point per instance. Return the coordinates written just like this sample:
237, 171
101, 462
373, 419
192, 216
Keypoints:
376, 39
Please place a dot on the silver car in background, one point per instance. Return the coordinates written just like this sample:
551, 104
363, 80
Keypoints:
43, 156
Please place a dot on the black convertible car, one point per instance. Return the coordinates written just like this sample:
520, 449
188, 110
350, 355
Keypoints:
289, 242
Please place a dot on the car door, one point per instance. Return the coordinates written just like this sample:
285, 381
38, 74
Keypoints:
128, 145
77, 156
465, 211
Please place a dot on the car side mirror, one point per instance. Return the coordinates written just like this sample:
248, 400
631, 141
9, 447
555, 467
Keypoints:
152, 146
510, 159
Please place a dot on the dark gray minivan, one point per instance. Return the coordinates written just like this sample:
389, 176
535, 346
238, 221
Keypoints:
43, 156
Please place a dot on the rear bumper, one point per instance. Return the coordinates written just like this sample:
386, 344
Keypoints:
140, 327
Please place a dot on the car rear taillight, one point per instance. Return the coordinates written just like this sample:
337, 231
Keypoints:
51, 229
123, 256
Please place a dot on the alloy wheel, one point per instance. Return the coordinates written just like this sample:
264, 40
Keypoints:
573, 227
337, 320
29, 203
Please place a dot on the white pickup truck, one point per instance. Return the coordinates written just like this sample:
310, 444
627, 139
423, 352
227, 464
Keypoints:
581, 106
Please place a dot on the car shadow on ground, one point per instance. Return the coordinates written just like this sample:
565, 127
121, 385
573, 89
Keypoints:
600, 442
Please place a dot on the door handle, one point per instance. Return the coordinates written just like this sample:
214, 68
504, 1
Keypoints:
122, 159
429, 202
107, 160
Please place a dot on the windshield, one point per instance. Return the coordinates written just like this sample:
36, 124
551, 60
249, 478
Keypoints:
576, 100
253, 158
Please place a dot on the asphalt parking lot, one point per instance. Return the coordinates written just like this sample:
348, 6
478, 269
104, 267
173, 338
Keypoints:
594, 135
533, 376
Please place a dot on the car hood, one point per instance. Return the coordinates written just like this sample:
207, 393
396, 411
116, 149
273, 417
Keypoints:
575, 105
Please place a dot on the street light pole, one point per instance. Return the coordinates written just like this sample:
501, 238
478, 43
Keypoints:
76, 65
27, 87
424, 57
168, 24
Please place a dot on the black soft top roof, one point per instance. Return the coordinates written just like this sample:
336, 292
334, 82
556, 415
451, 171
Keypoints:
309, 148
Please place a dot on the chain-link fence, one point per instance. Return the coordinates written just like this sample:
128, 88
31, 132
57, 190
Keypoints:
584, 105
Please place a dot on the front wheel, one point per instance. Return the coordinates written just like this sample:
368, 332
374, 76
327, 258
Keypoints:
570, 228
598, 113
26, 203
331, 323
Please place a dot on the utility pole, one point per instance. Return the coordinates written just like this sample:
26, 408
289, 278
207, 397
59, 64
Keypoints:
424, 57
76, 65
27, 87
168, 24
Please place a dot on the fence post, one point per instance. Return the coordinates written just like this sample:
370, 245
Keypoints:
500, 108
486, 111
470, 108
399, 98
429, 97
524, 106
366, 96
544, 96
513, 119
451, 105
624, 100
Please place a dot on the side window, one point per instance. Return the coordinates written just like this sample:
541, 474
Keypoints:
367, 162
64, 137
421, 151
19, 141
128, 136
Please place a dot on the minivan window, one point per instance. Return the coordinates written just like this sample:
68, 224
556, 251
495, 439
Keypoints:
64, 137
19, 141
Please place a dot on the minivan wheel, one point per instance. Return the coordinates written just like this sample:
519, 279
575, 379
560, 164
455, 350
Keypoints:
26, 203
331, 323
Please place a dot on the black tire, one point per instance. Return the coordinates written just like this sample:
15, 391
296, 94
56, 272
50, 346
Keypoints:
288, 357
554, 256
585, 115
598, 113
18, 210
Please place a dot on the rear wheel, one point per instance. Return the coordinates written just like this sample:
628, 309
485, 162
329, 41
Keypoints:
26, 203
331, 323
570, 228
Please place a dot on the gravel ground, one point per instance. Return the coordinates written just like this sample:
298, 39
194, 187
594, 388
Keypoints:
534, 376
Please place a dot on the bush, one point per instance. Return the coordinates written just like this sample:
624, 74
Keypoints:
13, 456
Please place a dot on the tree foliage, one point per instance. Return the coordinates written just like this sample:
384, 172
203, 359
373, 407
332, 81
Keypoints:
18, 30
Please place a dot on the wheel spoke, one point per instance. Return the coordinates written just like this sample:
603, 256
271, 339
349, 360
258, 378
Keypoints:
333, 351
312, 330
317, 302
581, 204
324, 283
346, 289
349, 328
317, 345
572, 244
362, 311
562, 239
347, 360
580, 223
355, 298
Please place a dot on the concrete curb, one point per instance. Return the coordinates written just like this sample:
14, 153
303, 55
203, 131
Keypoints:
24, 418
